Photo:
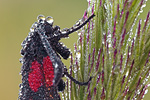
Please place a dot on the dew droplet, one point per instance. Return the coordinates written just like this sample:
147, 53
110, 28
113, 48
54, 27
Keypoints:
78, 55
56, 65
21, 60
50, 20
144, 5
34, 24
77, 23
31, 29
146, 91
63, 32
69, 56
41, 18
79, 33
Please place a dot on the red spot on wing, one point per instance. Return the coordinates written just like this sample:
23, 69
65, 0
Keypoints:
35, 76
48, 71
39, 75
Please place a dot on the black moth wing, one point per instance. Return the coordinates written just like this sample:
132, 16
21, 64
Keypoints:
56, 61
33, 50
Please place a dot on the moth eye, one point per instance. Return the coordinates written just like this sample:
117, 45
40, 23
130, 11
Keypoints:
50, 20
41, 18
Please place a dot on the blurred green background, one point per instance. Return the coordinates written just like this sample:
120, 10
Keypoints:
16, 18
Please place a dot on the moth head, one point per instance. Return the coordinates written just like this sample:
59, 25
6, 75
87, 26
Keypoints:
49, 25
47, 22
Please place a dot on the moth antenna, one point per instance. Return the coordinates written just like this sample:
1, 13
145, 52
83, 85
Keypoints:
72, 29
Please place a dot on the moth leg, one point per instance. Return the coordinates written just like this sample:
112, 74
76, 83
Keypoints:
61, 85
61, 49
74, 80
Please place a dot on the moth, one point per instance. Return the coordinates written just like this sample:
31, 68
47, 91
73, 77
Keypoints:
42, 69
